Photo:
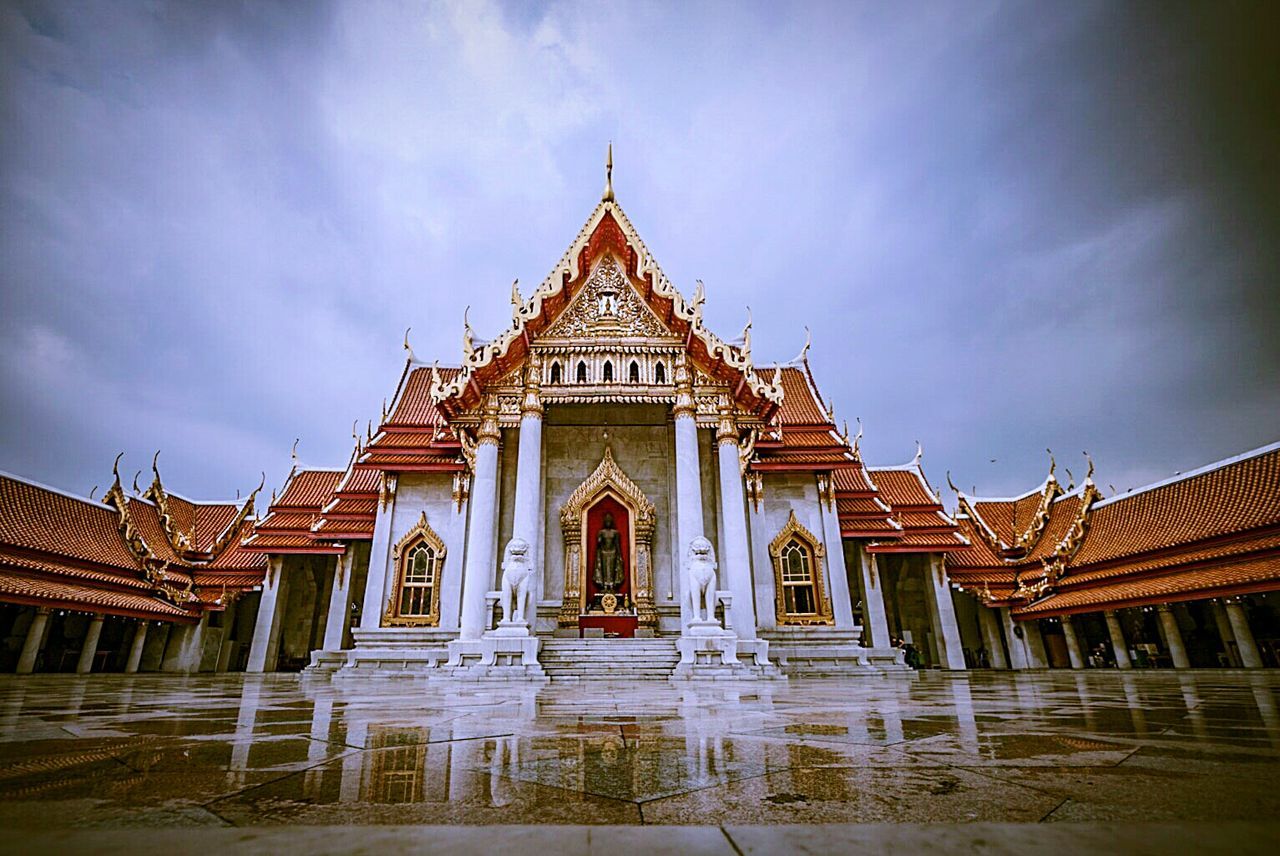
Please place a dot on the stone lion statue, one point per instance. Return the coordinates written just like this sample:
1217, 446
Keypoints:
517, 581
700, 572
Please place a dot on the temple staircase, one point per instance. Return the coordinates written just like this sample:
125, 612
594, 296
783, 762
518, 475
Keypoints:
609, 659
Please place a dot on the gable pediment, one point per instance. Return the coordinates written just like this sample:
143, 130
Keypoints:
607, 307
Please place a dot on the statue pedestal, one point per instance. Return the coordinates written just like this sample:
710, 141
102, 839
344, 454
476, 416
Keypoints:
709, 652
506, 653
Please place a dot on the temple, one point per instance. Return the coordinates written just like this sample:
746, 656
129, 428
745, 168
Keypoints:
607, 488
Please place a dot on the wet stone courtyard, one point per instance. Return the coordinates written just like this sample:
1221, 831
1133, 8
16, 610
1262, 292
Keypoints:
159, 750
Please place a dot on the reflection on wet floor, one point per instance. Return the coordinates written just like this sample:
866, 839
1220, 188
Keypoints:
107, 750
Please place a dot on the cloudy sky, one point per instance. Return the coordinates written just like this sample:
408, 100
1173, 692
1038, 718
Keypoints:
1010, 226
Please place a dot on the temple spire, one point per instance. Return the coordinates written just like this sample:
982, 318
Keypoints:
608, 176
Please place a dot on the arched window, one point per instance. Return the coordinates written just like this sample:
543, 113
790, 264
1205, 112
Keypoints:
797, 579
608, 371
582, 372
659, 373
419, 562
797, 568
555, 372
635, 372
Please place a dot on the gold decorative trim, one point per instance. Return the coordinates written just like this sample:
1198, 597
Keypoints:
420, 533
795, 530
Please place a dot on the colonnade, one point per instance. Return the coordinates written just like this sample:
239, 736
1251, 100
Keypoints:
1027, 650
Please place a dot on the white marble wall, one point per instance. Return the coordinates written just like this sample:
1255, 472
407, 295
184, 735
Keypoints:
784, 493
432, 493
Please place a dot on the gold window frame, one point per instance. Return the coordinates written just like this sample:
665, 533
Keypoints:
793, 530
421, 533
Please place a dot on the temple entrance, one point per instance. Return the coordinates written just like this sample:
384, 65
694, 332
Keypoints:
608, 532
607, 585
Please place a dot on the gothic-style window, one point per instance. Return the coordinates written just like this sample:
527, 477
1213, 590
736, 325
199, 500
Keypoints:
420, 560
635, 372
608, 371
582, 372
555, 372
659, 373
797, 576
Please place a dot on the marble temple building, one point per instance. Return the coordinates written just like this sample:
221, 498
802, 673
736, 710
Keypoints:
607, 488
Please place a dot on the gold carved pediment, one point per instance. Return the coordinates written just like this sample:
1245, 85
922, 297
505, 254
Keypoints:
607, 307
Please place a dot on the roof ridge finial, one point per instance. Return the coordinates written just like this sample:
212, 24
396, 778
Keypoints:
919, 454
407, 346
608, 176
957, 491
1088, 477
293, 452
1053, 464
517, 302
857, 438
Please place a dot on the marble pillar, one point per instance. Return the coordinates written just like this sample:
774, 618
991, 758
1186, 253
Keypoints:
688, 480
736, 561
185, 647
1173, 636
477, 577
1017, 647
873, 613
991, 637
335, 626
89, 648
1225, 633
1119, 647
264, 648
1250, 658
837, 573
1036, 656
34, 642
375, 581
135, 647
526, 523
1073, 643
945, 627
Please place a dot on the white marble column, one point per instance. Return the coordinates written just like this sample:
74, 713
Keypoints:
528, 500
873, 612
1073, 643
375, 581
946, 628
736, 561
991, 637
264, 648
89, 648
1119, 647
1225, 633
837, 574
34, 642
1017, 647
688, 479
1173, 636
135, 647
335, 625
1250, 658
480, 562
185, 647
1036, 656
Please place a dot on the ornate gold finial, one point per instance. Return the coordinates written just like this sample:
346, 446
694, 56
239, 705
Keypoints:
136, 489
1053, 464
608, 176
384, 409
857, 437
952, 485
1088, 477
